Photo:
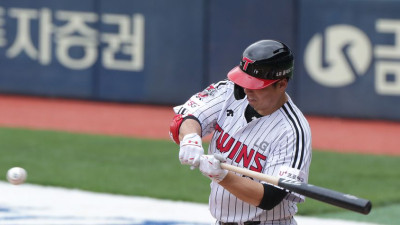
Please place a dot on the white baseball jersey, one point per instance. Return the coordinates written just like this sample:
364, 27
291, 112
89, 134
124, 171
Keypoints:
278, 144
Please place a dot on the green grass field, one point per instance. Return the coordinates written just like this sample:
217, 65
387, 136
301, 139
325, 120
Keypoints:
143, 167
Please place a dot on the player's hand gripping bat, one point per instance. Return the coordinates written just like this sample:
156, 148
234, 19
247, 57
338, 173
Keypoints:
335, 198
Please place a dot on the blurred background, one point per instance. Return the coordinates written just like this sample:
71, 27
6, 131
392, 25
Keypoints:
160, 52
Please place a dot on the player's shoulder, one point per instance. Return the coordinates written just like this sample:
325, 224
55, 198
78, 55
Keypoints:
222, 86
293, 117
291, 108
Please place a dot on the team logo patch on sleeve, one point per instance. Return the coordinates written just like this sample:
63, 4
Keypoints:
291, 174
209, 91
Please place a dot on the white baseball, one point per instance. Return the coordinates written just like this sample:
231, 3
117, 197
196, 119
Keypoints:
16, 175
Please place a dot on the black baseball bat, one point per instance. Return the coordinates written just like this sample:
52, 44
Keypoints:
332, 197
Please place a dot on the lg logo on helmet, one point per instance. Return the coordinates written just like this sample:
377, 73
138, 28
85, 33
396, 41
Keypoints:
345, 53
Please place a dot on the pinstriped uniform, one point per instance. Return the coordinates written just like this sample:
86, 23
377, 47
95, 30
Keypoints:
278, 144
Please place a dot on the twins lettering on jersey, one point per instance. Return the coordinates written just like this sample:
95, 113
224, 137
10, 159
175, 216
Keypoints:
238, 151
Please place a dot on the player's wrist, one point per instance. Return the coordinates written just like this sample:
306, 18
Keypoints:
190, 136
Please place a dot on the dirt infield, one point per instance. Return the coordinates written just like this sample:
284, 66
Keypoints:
344, 135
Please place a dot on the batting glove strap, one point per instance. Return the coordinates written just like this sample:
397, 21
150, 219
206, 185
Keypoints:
210, 167
191, 149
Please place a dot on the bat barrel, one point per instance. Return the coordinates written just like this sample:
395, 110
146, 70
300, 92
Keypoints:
335, 198
332, 197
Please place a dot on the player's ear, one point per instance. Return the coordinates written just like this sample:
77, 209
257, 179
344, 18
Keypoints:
283, 83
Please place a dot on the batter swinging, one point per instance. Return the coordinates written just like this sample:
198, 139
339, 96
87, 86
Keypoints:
257, 126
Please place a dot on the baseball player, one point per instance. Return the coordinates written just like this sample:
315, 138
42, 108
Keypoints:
255, 125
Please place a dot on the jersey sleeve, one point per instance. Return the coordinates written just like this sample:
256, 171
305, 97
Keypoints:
206, 105
290, 159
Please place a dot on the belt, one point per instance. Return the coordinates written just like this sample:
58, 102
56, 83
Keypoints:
245, 223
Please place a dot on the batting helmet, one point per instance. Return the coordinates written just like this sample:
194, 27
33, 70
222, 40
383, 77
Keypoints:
263, 63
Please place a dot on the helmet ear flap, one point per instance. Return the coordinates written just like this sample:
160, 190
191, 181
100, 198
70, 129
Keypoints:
238, 92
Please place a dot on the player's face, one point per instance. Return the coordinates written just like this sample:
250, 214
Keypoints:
267, 100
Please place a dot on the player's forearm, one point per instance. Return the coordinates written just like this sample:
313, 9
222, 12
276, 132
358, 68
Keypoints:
189, 126
244, 188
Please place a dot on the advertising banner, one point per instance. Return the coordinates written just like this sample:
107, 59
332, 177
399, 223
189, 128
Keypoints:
123, 50
350, 58
48, 47
347, 53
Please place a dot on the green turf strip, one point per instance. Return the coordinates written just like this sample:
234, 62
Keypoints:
101, 164
367, 176
380, 215
151, 168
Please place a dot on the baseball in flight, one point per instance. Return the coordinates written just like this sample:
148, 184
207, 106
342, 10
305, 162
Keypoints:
16, 175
